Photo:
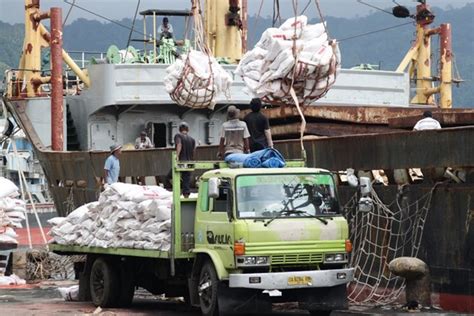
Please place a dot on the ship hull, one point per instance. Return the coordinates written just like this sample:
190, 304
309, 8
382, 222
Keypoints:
74, 178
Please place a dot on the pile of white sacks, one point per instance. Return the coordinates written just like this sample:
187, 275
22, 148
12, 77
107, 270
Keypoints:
202, 80
12, 212
268, 68
126, 216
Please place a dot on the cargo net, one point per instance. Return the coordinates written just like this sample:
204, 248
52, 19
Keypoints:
194, 91
379, 236
293, 65
195, 79
309, 80
296, 56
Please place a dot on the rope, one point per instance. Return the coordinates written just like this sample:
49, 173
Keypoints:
321, 17
131, 30
379, 236
292, 90
104, 17
68, 12
372, 6
306, 7
376, 31
256, 22
25, 186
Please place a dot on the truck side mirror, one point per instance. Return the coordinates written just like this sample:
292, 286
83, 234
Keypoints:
230, 204
213, 188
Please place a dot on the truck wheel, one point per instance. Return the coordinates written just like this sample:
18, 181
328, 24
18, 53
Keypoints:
207, 290
104, 283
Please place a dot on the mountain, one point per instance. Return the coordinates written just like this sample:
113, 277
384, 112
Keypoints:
385, 48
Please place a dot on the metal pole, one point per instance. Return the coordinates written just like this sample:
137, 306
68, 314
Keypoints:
446, 66
244, 16
424, 85
56, 44
154, 37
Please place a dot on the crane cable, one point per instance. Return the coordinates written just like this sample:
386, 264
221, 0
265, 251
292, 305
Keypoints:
256, 21
373, 32
131, 30
68, 12
292, 89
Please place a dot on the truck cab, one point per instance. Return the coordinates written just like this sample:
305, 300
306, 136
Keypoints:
269, 235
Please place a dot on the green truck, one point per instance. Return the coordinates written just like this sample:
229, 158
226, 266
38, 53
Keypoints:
252, 237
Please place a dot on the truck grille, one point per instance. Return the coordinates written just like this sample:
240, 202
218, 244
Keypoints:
297, 258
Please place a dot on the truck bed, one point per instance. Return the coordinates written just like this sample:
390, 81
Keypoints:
78, 250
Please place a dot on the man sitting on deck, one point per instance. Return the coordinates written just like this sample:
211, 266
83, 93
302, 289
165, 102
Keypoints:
427, 122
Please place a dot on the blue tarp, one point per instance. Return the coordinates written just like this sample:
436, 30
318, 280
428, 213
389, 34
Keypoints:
266, 158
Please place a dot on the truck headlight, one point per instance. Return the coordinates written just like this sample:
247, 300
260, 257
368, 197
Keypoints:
243, 261
335, 258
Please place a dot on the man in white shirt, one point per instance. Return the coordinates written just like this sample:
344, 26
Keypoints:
428, 122
143, 142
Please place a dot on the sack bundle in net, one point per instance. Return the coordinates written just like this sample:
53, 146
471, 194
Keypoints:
196, 79
297, 55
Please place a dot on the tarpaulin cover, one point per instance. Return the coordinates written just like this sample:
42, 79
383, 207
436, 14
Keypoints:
266, 158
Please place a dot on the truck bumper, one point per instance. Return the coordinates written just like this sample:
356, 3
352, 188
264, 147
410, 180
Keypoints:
291, 280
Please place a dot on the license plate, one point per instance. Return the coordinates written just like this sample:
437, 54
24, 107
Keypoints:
299, 280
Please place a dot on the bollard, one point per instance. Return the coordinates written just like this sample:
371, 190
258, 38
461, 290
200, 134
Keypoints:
417, 276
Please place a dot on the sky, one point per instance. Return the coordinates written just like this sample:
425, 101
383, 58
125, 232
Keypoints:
11, 11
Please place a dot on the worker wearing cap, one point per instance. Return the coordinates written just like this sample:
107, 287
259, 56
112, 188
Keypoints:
143, 142
166, 29
234, 134
112, 164
185, 149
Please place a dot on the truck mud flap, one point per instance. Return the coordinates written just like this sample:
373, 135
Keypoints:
242, 301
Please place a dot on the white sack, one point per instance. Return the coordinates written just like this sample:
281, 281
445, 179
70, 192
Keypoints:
69, 293
7, 188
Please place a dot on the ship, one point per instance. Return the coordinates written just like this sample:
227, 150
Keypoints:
72, 122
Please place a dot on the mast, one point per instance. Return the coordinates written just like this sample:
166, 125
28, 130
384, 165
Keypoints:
223, 26
419, 59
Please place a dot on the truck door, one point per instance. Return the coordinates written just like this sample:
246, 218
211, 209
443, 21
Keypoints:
213, 229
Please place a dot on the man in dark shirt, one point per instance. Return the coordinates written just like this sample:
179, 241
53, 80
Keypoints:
185, 148
259, 127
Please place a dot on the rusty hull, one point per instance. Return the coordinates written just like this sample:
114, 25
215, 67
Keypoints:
356, 114
77, 174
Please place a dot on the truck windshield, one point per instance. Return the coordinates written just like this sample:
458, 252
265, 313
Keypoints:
284, 195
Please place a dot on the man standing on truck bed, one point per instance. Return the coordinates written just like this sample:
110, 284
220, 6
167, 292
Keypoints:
112, 164
234, 134
185, 149
259, 127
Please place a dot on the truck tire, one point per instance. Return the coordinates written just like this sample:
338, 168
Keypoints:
207, 289
104, 283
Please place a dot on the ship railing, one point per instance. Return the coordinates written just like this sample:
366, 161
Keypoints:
14, 85
84, 58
